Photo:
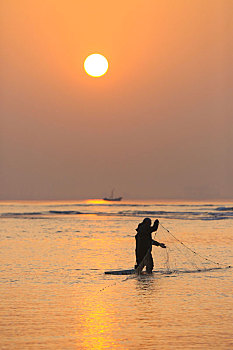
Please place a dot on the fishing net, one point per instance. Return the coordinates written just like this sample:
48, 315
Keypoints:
179, 257
176, 258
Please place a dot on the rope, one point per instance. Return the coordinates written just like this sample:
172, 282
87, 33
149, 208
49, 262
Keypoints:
167, 260
178, 240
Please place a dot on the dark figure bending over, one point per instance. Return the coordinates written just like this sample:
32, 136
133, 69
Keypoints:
144, 244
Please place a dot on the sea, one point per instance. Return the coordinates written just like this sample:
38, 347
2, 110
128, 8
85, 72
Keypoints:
54, 292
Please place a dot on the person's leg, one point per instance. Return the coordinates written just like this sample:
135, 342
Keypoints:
149, 263
138, 258
140, 261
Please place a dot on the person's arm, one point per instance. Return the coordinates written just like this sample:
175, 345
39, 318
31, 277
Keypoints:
155, 226
162, 245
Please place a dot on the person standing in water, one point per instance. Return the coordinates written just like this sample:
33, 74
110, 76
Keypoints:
144, 244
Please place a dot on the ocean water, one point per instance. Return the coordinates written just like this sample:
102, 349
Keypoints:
54, 293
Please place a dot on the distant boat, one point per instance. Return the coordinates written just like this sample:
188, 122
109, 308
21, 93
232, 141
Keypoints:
111, 198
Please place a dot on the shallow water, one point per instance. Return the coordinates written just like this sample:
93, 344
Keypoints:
54, 293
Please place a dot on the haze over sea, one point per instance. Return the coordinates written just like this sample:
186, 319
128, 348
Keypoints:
54, 293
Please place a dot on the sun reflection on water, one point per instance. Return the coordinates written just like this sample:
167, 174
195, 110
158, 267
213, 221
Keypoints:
98, 326
95, 201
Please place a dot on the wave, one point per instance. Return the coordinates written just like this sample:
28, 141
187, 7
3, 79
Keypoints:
224, 209
48, 213
185, 215
64, 212
178, 211
21, 214
178, 215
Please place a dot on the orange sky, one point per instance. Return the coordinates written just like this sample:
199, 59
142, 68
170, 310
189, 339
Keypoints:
159, 124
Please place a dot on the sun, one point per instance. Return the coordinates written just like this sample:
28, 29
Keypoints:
96, 65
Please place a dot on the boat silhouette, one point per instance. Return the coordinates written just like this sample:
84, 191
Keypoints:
111, 198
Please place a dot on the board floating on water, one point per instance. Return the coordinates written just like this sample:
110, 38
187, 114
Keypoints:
121, 272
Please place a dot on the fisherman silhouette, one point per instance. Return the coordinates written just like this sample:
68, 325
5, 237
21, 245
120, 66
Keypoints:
144, 244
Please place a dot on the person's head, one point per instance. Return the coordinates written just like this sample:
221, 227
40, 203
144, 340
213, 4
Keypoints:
147, 221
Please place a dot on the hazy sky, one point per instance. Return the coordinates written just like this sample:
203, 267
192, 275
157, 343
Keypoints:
159, 124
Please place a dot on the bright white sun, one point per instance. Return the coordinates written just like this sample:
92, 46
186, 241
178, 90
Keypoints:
96, 65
